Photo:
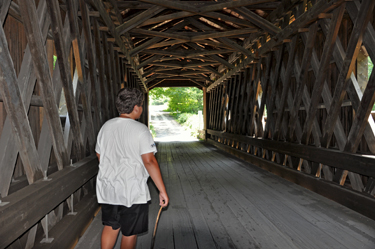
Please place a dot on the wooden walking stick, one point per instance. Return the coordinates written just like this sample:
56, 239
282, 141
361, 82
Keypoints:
156, 225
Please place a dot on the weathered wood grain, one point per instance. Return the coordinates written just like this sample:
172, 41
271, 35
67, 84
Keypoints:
19, 215
37, 49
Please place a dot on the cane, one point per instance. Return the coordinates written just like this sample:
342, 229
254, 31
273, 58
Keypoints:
156, 225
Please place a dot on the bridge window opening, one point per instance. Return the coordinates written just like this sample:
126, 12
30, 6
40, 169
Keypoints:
370, 69
175, 113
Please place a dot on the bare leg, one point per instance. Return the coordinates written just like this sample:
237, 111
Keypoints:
109, 237
128, 242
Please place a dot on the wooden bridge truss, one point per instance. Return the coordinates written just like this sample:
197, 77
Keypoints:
285, 86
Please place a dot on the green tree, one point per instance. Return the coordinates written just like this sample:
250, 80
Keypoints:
158, 96
181, 99
185, 99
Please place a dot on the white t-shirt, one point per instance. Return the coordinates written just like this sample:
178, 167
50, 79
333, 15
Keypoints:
122, 177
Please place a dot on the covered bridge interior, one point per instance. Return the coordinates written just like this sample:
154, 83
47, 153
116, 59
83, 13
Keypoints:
287, 87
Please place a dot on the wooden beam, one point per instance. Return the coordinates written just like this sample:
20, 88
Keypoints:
173, 5
26, 83
15, 108
213, 56
28, 205
351, 199
302, 79
117, 11
199, 36
90, 13
182, 64
69, 229
154, 40
155, 84
259, 21
286, 86
161, 34
224, 40
100, 58
208, 8
107, 20
108, 74
86, 24
4, 10
140, 18
355, 41
335, 158
37, 49
62, 59
149, 60
318, 85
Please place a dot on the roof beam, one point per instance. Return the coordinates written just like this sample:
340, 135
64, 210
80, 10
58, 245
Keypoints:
308, 17
155, 40
259, 21
135, 21
208, 8
98, 5
183, 64
161, 34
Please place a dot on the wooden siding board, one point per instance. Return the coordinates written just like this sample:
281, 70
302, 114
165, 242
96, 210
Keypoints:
86, 24
99, 53
79, 48
324, 62
62, 59
37, 49
23, 137
19, 215
26, 83
286, 87
273, 91
335, 158
360, 25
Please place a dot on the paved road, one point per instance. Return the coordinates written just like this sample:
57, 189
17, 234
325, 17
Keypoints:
166, 128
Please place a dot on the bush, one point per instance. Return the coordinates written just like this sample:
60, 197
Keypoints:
189, 121
183, 117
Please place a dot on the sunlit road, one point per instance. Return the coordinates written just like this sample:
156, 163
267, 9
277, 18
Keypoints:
166, 128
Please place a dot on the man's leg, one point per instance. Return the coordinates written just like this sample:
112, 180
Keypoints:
109, 237
128, 242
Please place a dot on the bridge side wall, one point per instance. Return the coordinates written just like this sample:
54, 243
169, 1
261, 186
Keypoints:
60, 73
302, 109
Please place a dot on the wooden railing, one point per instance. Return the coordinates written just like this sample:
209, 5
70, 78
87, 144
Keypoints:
29, 205
361, 202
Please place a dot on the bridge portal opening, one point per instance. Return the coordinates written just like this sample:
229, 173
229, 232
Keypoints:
176, 113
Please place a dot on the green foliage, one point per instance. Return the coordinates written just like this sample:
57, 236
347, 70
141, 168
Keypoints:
158, 96
54, 61
185, 99
183, 117
180, 99
153, 132
189, 121
370, 67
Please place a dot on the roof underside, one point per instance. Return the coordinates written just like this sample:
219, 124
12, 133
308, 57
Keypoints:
191, 43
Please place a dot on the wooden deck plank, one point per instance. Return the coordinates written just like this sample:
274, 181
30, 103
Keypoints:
258, 224
219, 201
312, 207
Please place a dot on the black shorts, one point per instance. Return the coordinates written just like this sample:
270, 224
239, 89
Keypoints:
132, 220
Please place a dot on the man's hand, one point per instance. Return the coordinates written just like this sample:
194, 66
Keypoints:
164, 199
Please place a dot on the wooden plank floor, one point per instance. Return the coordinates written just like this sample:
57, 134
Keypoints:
219, 201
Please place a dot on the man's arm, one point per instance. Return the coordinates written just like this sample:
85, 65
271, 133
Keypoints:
153, 169
98, 155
